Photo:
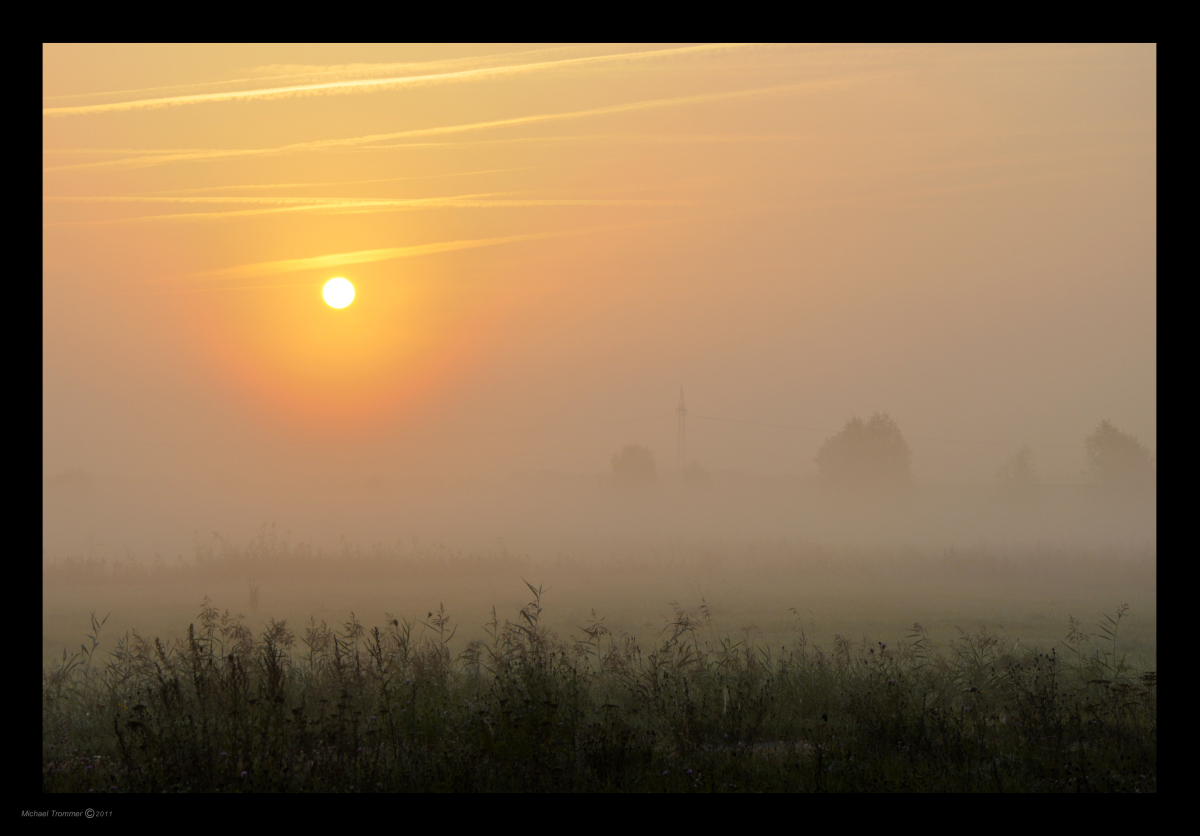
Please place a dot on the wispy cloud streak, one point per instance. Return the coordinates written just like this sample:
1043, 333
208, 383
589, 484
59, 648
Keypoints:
298, 265
373, 84
277, 72
336, 204
330, 201
351, 142
252, 186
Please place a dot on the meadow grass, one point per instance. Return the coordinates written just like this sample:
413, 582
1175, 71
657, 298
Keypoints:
392, 708
1024, 592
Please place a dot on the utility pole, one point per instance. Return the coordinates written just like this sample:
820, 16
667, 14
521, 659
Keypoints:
681, 411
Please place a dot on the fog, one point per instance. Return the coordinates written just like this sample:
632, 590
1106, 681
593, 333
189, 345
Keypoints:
550, 247
555, 513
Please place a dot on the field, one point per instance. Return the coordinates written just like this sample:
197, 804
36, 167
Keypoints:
664, 667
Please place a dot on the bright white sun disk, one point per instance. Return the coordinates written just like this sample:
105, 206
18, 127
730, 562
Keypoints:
338, 293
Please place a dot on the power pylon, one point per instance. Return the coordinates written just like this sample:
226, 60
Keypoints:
681, 411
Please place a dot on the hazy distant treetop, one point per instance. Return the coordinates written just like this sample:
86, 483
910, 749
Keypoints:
633, 465
1117, 462
1017, 477
865, 455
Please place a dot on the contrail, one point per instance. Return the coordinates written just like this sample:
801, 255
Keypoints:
371, 84
349, 142
122, 150
232, 188
302, 204
485, 199
151, 155
699, 139
312, 72
416, 201
295, 265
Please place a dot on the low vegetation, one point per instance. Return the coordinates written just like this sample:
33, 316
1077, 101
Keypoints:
346, 708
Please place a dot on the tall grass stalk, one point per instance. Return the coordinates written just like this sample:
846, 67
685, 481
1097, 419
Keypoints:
344, 708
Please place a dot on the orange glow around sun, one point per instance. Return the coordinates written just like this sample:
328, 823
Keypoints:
314, 365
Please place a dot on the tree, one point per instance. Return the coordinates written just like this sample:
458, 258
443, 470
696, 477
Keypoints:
1117, 463
634, 465
866, 456
1017, 477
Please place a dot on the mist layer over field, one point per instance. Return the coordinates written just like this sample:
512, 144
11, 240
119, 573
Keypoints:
950, 560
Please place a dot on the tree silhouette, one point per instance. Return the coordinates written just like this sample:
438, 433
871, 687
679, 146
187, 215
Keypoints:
866, 456
1117, 463
634, 465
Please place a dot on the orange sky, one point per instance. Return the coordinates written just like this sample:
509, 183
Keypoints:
557, 238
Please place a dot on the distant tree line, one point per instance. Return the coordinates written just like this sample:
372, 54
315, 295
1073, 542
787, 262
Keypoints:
871, 457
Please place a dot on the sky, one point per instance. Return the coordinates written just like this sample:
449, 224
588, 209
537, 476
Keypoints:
548, 242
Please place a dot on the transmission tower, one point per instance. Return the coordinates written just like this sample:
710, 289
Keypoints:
681, 411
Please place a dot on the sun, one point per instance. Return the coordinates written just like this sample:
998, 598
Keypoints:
338, 293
